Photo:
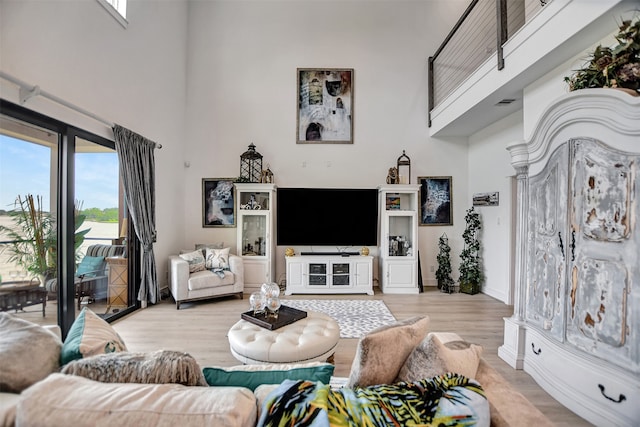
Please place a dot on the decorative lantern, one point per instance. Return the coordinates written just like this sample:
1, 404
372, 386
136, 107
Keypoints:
251, 165
404, 169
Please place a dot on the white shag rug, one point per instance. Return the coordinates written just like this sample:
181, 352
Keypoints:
356, 318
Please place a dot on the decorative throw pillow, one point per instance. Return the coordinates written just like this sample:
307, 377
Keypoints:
252, 376
381, 353
203, 246
159, 367
90, 335
438, 354
448, 400
195, 260
28, 353
91, 266
217, 258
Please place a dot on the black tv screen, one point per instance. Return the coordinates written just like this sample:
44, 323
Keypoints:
327, 217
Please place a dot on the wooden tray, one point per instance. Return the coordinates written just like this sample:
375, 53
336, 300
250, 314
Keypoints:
286, 316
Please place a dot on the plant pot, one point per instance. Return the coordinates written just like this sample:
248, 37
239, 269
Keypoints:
469, 288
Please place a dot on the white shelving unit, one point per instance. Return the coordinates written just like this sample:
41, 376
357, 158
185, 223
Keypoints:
398, 250
255, 237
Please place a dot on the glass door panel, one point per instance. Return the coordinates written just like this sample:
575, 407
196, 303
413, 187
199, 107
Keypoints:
254, 235
318, 274
28, 229
101, 230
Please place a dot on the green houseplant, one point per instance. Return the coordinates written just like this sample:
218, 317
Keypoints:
617, 66
470, 269
443, 273
33, 237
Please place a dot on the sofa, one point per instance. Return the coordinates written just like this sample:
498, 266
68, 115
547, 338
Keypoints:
91, 379
208, 271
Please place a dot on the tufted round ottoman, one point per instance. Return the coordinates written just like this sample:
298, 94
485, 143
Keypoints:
313, 338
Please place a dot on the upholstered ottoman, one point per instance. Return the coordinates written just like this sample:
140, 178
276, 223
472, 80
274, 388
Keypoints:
313, 338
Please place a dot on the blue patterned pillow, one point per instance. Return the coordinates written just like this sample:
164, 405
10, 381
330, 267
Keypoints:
195, 260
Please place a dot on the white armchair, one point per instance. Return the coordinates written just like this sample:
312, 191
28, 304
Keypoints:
204, 284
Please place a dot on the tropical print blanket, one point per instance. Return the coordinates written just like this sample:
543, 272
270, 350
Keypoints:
448, 400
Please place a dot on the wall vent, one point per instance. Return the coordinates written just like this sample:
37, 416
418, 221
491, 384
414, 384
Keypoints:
505, 101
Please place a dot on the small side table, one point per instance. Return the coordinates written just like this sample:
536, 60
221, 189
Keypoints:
118, 286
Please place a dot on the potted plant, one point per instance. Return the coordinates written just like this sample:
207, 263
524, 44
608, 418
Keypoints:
33, 237
443, 273
616, 67
470, 270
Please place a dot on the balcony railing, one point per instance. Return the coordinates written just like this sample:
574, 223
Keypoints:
478, 36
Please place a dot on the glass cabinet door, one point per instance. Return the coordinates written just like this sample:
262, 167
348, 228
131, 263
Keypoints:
340, 274
254, 235
318, 274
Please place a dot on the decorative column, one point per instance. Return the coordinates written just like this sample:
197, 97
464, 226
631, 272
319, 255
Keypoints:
512, 350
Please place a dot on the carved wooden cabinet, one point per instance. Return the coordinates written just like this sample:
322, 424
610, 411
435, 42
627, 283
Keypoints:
576, 322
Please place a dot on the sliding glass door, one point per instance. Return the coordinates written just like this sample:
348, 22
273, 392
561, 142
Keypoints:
66, 181
28, 231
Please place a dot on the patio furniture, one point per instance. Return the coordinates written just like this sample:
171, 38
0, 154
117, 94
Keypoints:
18, 295
91, 282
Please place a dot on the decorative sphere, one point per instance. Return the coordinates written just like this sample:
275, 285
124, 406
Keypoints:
270, 290
273, 304
257, 301
364, 251
289, 252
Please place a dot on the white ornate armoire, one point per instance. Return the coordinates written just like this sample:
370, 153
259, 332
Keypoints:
576, 322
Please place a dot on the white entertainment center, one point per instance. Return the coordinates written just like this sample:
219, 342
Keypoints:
387, 219
331, 274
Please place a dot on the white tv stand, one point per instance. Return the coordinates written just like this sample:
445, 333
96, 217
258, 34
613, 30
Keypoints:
329, 274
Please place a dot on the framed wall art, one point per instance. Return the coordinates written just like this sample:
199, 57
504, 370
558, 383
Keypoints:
325, 106
436, 207
218, 202
486, 199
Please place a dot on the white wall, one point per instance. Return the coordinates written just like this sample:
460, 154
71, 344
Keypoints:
490, 170
136, 77
243, 57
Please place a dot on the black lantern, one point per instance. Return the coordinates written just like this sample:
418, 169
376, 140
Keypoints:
251, 165
404, 169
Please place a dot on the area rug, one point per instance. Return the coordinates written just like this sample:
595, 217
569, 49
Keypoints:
356, 318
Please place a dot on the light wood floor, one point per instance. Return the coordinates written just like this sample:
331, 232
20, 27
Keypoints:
200, 329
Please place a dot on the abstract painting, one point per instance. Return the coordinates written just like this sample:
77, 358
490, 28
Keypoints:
325, 106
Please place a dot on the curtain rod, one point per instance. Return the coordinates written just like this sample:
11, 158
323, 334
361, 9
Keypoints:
27, 91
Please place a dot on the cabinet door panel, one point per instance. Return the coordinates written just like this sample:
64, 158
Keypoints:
602, 316
547, 251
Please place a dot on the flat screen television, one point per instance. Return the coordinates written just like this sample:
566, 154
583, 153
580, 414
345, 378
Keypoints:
327, 217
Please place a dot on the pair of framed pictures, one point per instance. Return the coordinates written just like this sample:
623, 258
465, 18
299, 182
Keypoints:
218, 201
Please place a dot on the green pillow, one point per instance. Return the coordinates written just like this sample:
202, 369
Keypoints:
252, 376
90, 266
90, 335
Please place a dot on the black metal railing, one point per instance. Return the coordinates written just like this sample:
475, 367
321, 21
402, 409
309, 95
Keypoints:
479, 34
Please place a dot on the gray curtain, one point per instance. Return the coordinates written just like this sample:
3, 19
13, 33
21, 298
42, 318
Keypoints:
137, 170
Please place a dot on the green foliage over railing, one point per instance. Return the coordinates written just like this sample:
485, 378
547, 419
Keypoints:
101, 215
